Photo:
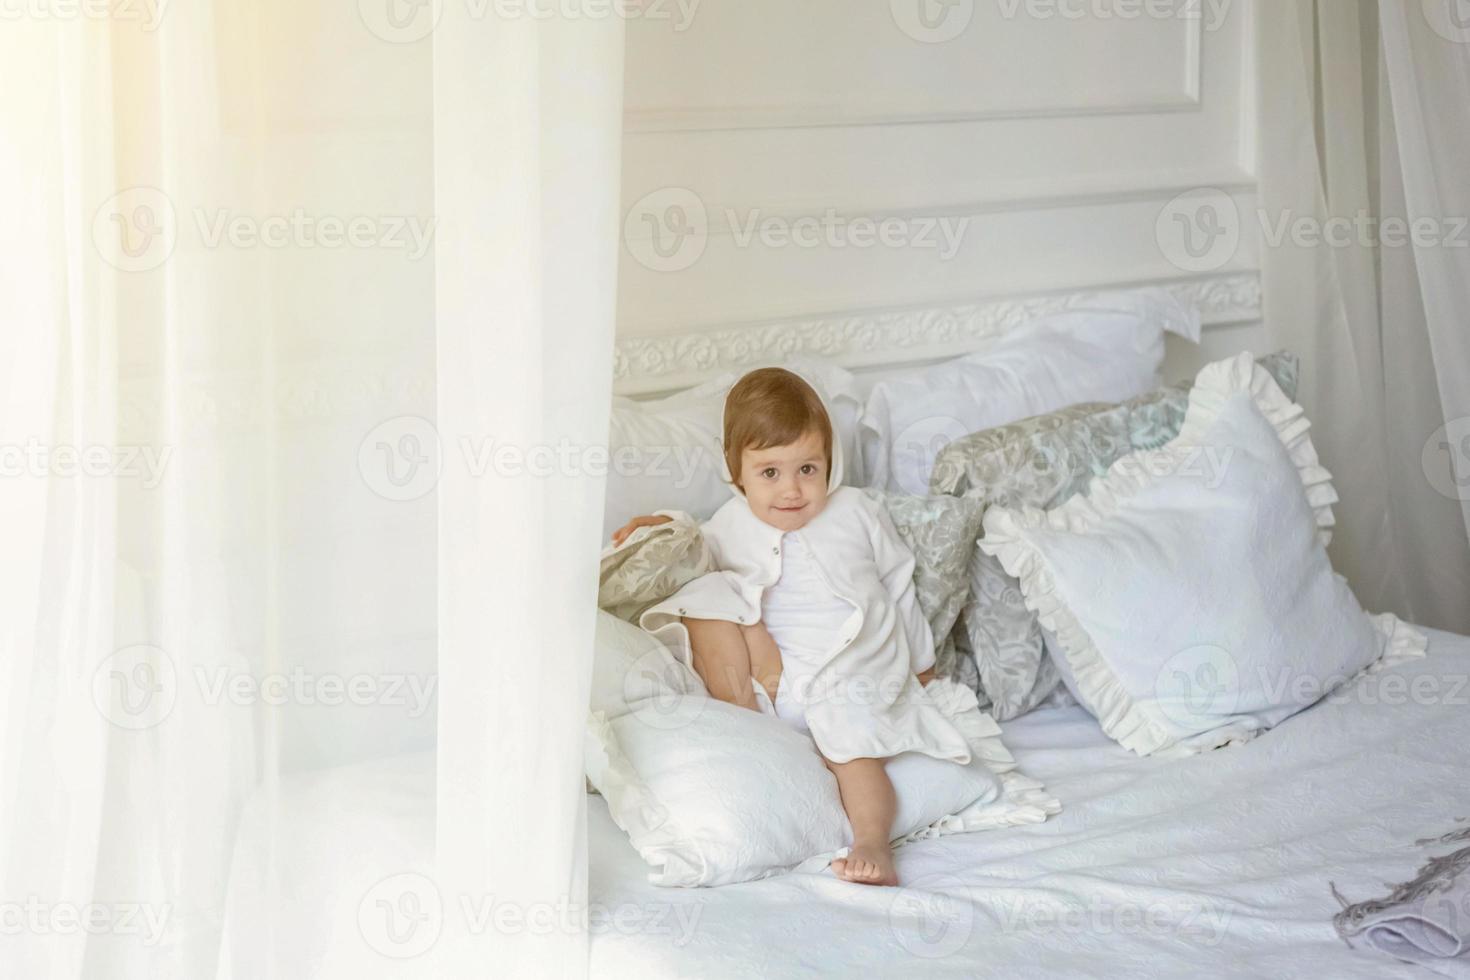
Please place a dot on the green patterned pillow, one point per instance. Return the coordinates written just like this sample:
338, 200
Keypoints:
1041, 462
652, 564
941, 532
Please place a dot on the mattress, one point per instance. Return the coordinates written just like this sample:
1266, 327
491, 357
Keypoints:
1218, 865
1221, 864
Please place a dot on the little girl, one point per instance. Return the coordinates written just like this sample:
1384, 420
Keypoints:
812, 616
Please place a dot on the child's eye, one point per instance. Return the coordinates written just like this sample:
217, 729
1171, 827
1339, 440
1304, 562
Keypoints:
769, 472
808, 469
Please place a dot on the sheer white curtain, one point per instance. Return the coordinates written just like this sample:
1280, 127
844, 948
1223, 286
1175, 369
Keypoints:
1379, 324
276, 278
527, 144
1425, 95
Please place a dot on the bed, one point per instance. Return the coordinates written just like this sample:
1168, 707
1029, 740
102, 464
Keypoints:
1219, 864
1230, 862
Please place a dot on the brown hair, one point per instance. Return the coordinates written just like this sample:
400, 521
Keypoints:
772, 407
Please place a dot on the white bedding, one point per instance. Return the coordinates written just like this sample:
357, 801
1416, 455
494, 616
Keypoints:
1214, 865
1218, 864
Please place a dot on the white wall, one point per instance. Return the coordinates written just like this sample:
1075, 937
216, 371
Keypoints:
1050, 134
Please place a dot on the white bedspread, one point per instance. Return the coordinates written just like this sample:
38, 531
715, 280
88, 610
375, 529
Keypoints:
1217, 865
1214, 865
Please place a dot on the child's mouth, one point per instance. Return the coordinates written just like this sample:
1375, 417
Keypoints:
791, 510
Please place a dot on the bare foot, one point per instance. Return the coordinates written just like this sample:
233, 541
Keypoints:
867, 865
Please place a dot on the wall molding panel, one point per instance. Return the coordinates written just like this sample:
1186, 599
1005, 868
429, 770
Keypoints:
857, 338
1066, 149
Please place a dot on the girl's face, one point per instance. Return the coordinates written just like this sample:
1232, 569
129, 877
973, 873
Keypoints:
786, 486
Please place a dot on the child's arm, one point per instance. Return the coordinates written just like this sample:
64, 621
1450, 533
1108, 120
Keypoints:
896, 570
621, 534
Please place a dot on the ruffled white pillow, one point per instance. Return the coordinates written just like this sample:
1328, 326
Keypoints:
1188, 592
710, 794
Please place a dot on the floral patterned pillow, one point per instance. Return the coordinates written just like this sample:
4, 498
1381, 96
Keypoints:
1041, 462
652, 564
941, 532
657, 560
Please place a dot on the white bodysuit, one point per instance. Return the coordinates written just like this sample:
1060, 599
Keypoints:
806, 619
838, 597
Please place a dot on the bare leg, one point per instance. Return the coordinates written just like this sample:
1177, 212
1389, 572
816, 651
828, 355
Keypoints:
867, 796
722, 660
765, 658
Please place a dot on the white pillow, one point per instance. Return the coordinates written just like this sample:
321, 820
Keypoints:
710, 793
666, 452
1108, 351
1189, 592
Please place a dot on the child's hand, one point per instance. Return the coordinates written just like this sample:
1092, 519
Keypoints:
621, 534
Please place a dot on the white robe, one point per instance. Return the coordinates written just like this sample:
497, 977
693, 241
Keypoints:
866, 701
